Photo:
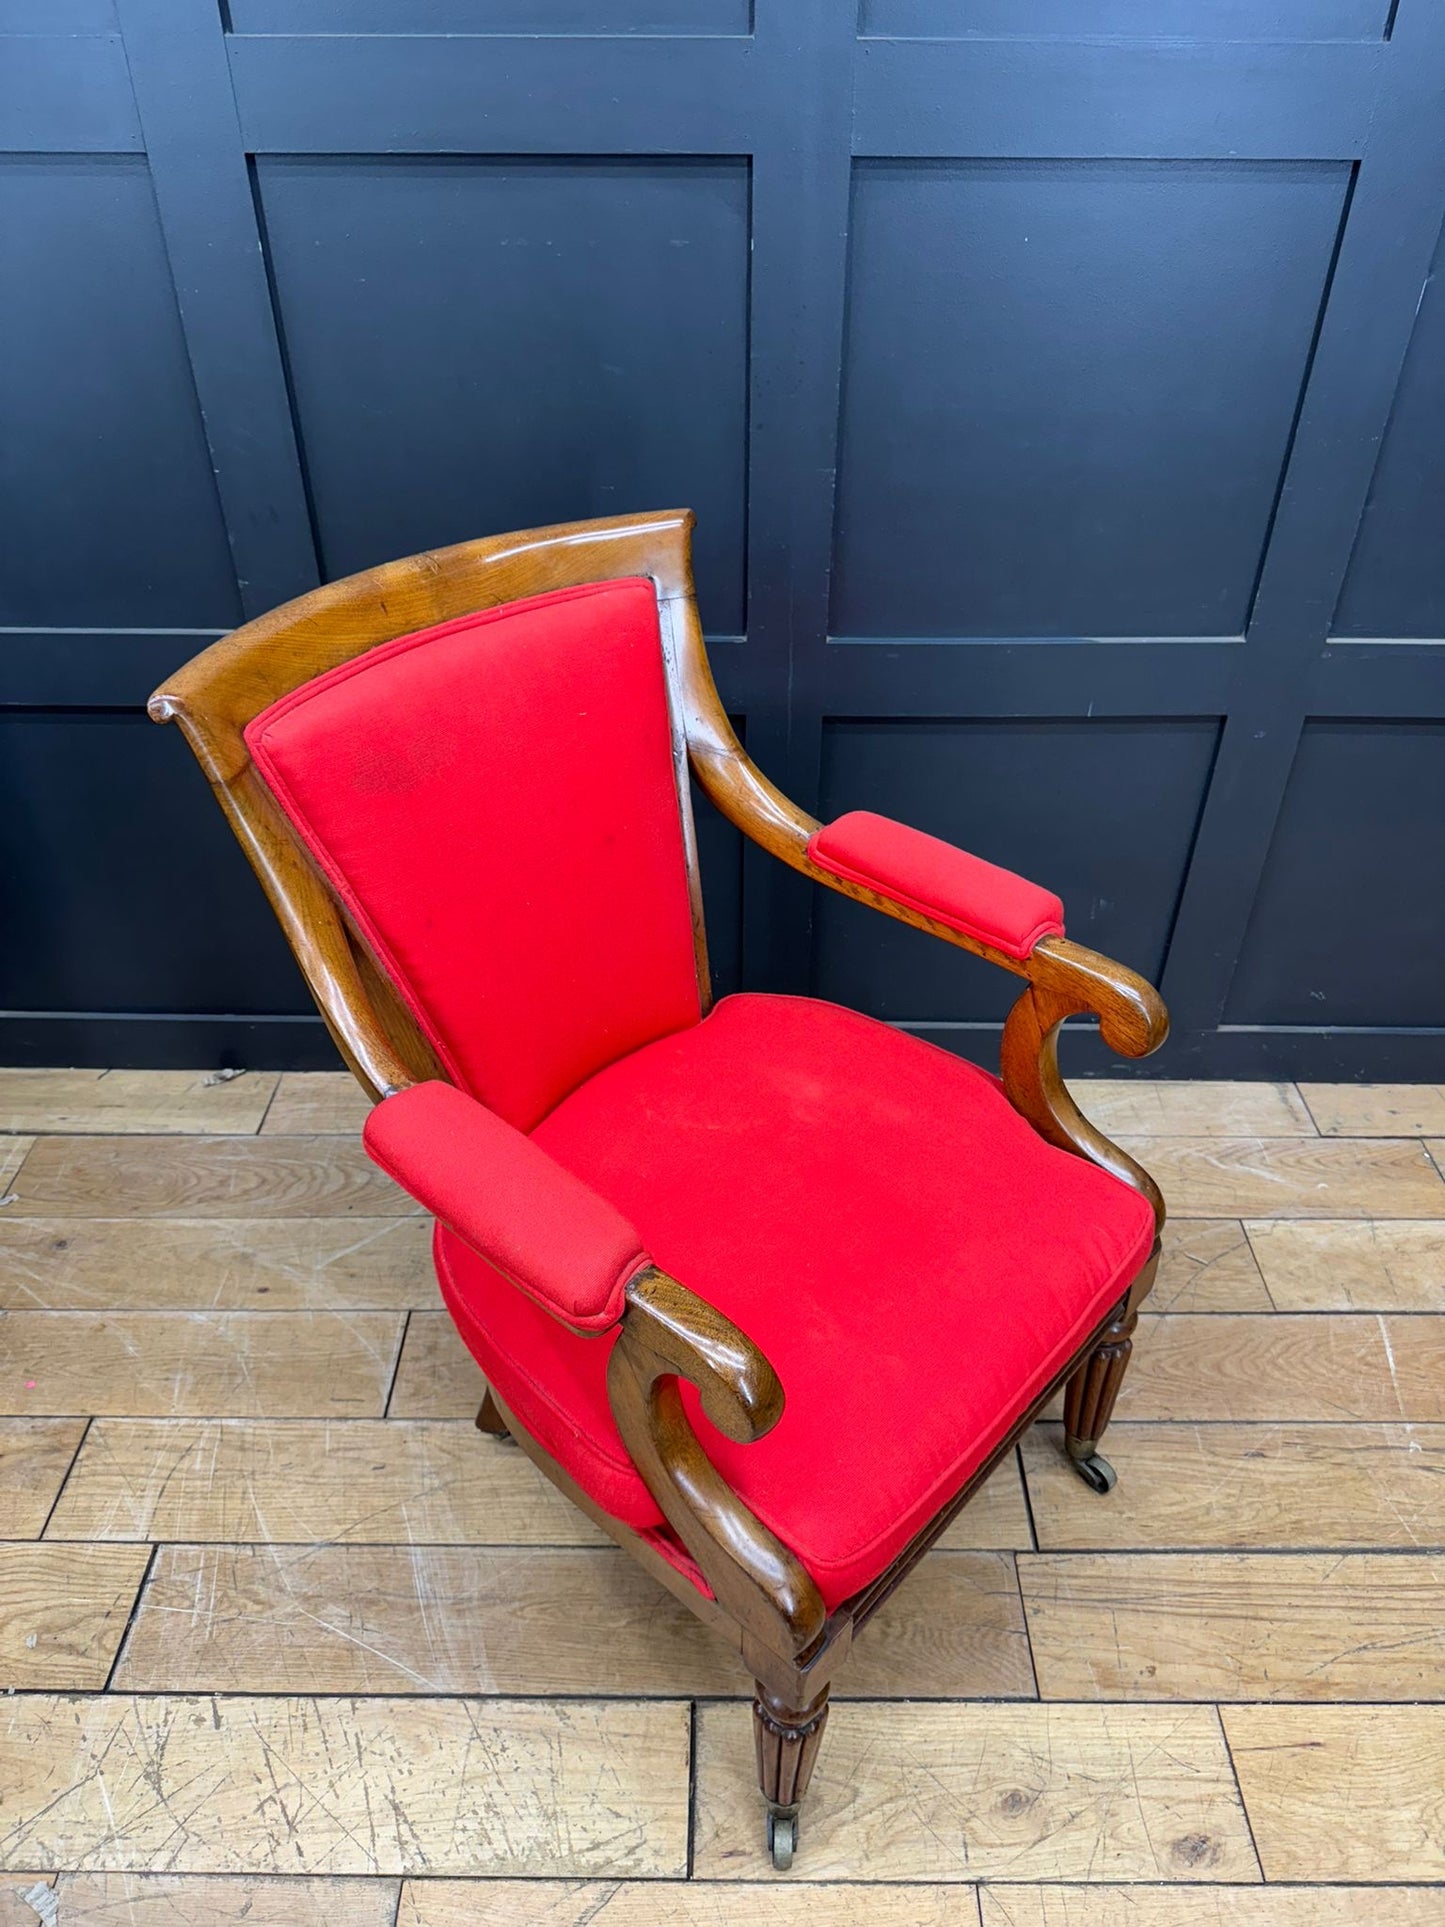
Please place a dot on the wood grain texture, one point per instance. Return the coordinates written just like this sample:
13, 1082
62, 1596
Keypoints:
1279, 1367
1248, 1486
1261, 1177
15, 1907
216, 1264
13, 1153
990, 1792
198, 1364
247, 1786
317, 1102
134, 1101
207, 1900
1352, 1267
437, 1377
1192, 1107
167, 1177
1377, 1110
63, 1612
35, 1455
370, 1482
359, 1619
1209, 1907
1343, 1792
700, 1903
997, 1514
1236, 1626
1207, 1264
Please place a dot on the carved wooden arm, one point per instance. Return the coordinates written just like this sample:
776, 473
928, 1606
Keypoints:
669, 1333
569, 1251
1064, 979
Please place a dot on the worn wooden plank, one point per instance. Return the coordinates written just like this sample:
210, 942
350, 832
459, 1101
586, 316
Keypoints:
1236, 1626
134, 1101
996, 1517
168, 1177
1192, 1107
988, 1792
16, 1893
320, 1102
371, 1482
211, 1900
1281, 1367
361, 1619
35, 1455
198, 1364
1377, 1110
1269, 1487
437, 1376
63, 1612
698, 1903
345, 1786
1261, 1177
1220, 1906
1207, 1265
1352, 1267
1343, 1792
216, 1264
13, 1153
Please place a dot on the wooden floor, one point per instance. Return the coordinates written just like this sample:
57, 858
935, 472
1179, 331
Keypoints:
286, 1641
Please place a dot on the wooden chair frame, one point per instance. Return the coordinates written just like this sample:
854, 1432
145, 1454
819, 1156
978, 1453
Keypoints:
763, 1600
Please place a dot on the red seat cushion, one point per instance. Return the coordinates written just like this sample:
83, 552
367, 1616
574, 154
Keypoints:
914, 1260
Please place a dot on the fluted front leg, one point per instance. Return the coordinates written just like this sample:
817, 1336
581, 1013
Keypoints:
788, 1739
1091, 1392
1089, 1399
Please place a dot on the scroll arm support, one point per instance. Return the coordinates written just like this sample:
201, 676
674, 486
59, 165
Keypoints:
1066, 980
669, 1333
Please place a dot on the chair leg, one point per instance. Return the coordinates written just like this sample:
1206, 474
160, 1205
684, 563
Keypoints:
489, 1419
1089, 1401
788, 1739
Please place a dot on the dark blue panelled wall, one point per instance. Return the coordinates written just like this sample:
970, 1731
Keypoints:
1064, 412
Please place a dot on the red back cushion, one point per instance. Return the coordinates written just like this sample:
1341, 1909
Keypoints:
494, 801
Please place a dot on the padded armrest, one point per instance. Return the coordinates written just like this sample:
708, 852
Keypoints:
923, 873
543, 1228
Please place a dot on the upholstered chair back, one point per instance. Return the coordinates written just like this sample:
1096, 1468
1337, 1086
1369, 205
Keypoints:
494, 802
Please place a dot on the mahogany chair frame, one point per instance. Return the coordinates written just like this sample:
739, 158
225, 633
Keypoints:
764, 1602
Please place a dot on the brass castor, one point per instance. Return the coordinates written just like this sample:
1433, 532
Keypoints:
782, 1836
1096, 1472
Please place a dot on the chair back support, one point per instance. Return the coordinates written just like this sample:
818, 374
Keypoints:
462, 781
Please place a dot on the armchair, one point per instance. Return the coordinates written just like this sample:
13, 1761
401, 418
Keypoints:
767, 1287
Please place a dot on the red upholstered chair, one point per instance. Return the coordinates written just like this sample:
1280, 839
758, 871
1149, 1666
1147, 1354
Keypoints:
767, 1287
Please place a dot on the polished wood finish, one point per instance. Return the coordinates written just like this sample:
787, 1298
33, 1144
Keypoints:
489, 1418
1089, 1400
787, 1740
762, 1598
667, 1335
